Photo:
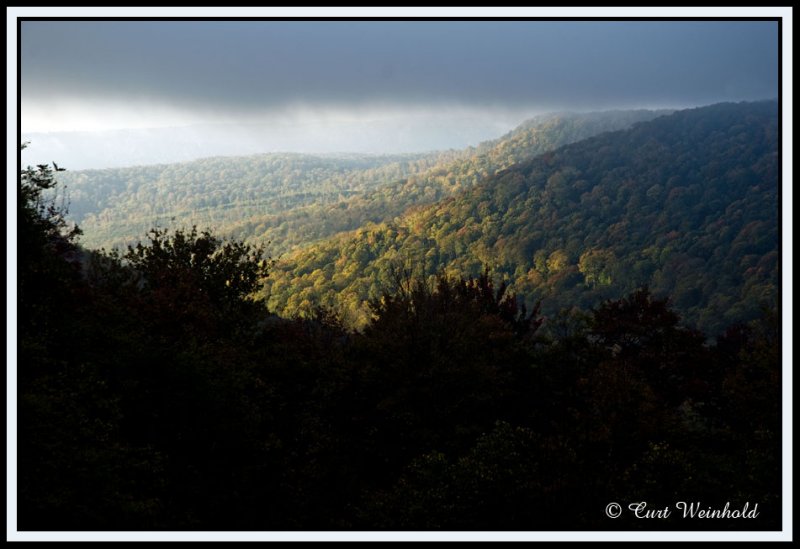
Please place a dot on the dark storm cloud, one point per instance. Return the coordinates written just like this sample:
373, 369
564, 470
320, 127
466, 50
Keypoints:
252, 64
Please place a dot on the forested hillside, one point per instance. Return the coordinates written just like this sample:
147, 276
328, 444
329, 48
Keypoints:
156, 394
118, 206
290, 199
686, 204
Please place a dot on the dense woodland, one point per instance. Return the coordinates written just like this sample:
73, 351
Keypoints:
159, 391
686, 204
290, 200
116, 206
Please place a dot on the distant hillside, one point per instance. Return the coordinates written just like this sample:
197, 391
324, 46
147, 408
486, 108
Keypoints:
292, 199
117, 206
686, 203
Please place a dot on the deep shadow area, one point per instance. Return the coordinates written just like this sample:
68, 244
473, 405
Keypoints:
155, 393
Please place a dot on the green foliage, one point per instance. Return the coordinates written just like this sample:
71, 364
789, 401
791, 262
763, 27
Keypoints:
450, 411
225, 272
72, 464
37, 210
291, 199
155, 393
686, 204
440, 354
598, 267
49, 260
418, 301
258, 198
511, 477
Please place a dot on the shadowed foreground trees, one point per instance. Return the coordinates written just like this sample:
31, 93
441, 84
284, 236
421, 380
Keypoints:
154, 393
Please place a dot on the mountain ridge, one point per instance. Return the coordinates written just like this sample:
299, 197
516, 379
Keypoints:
696, 177
118, 206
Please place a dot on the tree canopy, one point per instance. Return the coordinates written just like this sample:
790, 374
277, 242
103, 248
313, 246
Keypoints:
686, 204
155, 391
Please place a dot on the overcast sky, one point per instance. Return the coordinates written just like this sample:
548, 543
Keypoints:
94, 75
